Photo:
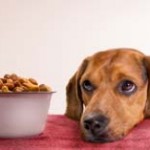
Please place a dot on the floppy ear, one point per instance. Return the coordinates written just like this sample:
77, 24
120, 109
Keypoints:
147, 65
73, 93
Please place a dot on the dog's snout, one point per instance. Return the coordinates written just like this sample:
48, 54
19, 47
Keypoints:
95, 123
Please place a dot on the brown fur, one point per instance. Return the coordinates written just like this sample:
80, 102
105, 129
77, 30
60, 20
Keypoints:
105, 70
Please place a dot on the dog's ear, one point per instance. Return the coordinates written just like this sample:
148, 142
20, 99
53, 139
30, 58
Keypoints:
147, 72
73, 93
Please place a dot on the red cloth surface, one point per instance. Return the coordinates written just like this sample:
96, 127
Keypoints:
63, 133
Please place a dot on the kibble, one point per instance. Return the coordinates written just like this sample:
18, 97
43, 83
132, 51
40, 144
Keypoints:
14, 83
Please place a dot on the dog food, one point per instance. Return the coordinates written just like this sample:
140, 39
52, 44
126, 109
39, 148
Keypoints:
15, 83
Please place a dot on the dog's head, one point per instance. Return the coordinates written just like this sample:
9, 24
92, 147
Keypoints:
109, 94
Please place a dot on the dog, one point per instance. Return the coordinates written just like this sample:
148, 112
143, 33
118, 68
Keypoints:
109, 94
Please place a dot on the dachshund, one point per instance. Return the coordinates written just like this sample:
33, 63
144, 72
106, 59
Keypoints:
109, 94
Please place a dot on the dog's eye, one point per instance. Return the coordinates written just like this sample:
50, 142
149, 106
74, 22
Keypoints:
88, 86
127, 87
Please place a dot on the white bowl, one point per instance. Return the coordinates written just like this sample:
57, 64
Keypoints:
23, 114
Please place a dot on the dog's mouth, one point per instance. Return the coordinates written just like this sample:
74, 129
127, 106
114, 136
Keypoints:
101, 138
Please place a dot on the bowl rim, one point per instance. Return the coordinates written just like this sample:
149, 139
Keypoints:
29, 92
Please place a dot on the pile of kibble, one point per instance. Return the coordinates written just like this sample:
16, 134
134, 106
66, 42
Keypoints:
15, 83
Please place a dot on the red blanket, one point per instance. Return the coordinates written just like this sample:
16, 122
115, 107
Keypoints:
63, 133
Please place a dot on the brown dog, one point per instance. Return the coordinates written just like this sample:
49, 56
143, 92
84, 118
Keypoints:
109, 94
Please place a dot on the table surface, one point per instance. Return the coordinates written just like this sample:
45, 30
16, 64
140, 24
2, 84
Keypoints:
63, 133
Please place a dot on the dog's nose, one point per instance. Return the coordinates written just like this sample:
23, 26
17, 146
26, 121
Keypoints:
95, 124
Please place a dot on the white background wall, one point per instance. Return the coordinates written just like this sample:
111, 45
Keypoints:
47, 39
